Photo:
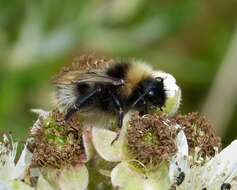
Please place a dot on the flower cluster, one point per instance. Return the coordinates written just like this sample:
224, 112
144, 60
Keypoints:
152, 152
161, 150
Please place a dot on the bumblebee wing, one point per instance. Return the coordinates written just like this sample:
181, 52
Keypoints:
66, 83
77, 77
93, 77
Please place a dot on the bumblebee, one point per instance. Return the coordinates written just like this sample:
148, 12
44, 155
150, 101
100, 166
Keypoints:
112, 87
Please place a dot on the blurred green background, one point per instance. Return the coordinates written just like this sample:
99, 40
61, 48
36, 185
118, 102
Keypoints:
193, 40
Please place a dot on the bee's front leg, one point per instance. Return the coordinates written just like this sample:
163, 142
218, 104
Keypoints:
144, 109
119, 123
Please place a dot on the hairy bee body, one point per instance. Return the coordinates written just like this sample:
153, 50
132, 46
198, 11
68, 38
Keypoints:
114, 88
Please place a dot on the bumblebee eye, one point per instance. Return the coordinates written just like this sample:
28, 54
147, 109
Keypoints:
151, 93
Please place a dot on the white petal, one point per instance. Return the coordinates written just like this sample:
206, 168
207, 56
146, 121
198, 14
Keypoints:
19, 185
102, 139
23, 163
222, 168
159, 179
126, 178
151, 184
4, 186
133, 184
41, 114
43, 184
179, 162
234, 184
88, 146
122, 175
74, 178
7, 159
193, 180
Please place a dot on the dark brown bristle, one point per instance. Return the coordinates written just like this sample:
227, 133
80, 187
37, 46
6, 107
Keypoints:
88, 62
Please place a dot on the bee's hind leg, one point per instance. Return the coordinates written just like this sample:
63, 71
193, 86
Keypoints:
120, 124
120, 114
79, 103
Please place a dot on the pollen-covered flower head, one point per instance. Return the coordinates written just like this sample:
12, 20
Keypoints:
57, 143
203, 143
60, 150
149, 140
148, 145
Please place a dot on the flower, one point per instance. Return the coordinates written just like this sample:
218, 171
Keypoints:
192, 162
60, 150
203, 143
153, 152
146, 148
11, 174
219, 173
206, 169
72, 178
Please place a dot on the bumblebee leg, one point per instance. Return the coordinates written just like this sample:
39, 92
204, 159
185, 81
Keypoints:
118, 109
120, 114
72, 110
140, 98
144, 109
141, 104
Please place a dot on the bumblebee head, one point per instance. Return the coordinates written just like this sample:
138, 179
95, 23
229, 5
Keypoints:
172, 91
158, 91
154, 94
